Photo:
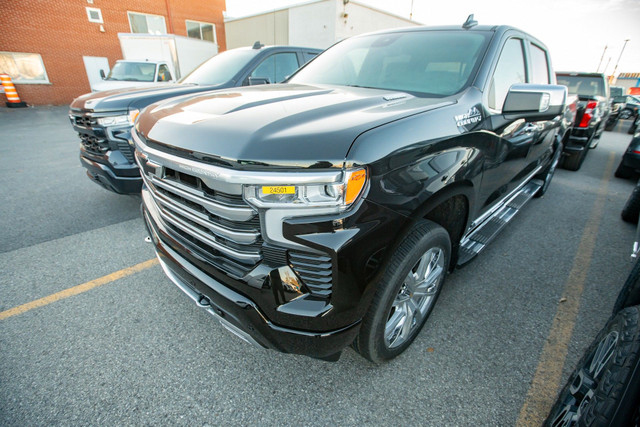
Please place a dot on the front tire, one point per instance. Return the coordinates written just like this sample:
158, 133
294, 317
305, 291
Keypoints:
603, 390
406, 294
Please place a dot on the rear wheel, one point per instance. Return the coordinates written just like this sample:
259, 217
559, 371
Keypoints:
603, 390
574, 160
610, 125
406, 294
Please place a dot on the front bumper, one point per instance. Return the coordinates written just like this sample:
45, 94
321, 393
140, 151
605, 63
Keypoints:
121, 178
237, 312
107, 153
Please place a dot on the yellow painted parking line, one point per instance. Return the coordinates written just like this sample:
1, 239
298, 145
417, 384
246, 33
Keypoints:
545, 383
78, 289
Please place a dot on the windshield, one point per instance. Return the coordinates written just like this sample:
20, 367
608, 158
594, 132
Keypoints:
582, 85
132, 71
221, 68
437, 63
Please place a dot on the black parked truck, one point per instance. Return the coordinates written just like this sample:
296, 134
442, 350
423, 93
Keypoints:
327, 211
103, 120
592, 90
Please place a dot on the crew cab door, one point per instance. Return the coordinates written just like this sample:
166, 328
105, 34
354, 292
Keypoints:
508, 142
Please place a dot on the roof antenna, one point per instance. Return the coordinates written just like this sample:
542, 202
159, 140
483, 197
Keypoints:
469, 23
257, 45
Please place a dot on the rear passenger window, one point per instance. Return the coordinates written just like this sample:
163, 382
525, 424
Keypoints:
510, 70
539, 66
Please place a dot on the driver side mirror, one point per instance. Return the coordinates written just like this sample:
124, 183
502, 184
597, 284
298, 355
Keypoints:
102, 74
534, 102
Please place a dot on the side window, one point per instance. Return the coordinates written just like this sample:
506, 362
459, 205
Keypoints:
277, 67
510, 70
539, 65
164, 75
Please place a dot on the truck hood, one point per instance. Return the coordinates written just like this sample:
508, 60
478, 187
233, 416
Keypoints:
283, 125
134, 97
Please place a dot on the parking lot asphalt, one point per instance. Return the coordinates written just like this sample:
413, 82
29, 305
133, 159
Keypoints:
128, 348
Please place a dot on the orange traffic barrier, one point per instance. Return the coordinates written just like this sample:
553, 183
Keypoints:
13, 100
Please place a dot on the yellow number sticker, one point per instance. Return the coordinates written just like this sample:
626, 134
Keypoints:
282, 189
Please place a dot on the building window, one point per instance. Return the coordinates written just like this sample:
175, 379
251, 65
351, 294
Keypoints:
24, 68
201, 30
94, 15
147, 24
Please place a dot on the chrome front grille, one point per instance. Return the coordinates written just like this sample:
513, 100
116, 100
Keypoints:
222, 225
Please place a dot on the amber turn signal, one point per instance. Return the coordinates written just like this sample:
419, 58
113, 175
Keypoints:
355, 183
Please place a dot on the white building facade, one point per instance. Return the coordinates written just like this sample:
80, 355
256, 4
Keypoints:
316, 24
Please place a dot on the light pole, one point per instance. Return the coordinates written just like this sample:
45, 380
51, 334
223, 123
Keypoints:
601, 58
618, 61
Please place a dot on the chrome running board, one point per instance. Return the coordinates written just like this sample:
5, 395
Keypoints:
478, 239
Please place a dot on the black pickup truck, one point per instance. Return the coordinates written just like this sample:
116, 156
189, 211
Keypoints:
327, 211
592, 114
103, 120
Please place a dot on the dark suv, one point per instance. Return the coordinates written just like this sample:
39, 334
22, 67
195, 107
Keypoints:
103, 120
327, 211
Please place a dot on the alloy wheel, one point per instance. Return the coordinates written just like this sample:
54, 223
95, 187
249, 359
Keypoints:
415, 297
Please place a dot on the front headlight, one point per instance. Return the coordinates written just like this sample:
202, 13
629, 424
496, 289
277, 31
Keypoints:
335, 194
124, 119
279, 202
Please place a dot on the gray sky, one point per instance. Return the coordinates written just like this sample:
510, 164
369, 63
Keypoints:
575, 31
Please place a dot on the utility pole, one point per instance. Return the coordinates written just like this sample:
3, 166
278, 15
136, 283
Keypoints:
606, 66
618, 61
601, 58
411, 13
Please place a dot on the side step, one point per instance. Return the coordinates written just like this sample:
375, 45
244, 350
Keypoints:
472, 244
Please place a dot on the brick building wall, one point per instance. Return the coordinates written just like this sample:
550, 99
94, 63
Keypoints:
61, 33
